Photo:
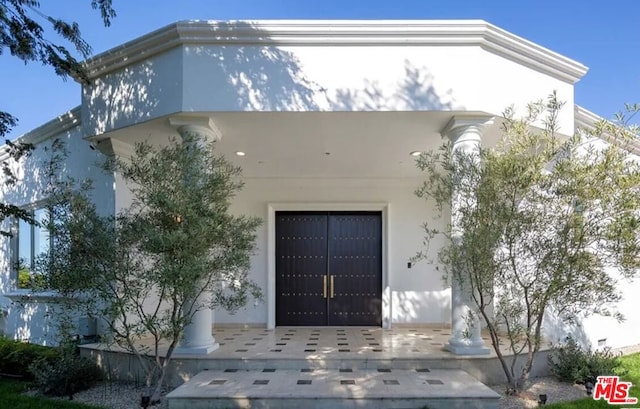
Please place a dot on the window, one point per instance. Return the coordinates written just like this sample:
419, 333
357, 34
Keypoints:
30, 242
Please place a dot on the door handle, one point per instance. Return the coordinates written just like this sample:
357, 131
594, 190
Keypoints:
324, 286
333, 294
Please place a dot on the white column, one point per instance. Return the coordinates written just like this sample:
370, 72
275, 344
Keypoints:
121, 150
198, 338
466, 136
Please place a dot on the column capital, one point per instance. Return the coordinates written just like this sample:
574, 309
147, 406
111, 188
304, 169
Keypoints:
460, 125
196, 126
114, 147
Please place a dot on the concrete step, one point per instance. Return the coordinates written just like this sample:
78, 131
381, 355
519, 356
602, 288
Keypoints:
319, 362
333, 388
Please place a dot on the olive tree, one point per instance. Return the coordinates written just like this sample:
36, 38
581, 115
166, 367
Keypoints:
547, 224
141, 270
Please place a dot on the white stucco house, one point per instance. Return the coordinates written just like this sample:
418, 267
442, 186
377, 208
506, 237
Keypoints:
323, 117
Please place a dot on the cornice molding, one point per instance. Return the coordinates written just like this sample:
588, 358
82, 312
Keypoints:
54, 127
340, 33
587, 120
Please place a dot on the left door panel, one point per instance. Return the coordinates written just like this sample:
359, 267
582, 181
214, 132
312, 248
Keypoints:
301, 265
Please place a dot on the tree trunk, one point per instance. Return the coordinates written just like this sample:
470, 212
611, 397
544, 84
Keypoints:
157, 393
495, 342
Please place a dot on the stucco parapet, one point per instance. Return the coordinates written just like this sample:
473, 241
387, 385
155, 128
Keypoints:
340, 33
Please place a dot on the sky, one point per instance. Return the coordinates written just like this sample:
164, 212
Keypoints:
603, 35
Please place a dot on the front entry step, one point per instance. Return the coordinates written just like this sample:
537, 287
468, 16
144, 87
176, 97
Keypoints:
333, 388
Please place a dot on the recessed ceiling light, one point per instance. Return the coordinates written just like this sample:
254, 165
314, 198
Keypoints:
240, 153
415, 153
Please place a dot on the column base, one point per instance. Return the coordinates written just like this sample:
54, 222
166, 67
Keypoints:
196, 350
467, 349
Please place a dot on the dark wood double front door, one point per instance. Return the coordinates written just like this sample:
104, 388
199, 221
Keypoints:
329, 268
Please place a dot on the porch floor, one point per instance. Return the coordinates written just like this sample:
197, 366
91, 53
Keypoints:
258, 367
334, 367
332, 342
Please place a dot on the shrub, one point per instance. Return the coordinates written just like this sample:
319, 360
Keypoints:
16, 357
570, 363
604, 362
24, 277
69, 374
567, 361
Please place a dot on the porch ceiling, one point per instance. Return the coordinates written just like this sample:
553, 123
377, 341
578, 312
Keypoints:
318, 144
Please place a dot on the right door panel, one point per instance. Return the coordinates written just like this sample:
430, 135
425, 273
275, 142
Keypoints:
355, 269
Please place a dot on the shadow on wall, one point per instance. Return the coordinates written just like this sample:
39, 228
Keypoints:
132, 94
269, 78
30, 317
32, 320
415, 93
432, 307
253, 77
556, 330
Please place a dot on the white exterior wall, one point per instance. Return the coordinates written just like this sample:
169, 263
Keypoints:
33, 320
598, 331
416, 295
602, 331
134, 94
611, 332
210, 78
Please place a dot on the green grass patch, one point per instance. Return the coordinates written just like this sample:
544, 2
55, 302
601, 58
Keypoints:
631, 363
11, 396
630, 366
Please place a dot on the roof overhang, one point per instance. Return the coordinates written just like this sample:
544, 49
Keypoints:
340, 33
587, 121
56, 126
